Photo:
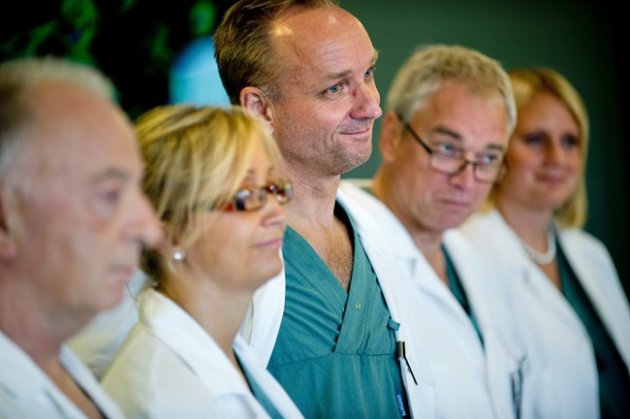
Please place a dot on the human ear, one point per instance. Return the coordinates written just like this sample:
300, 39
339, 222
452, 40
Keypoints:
257, 104
7, 245
389, 139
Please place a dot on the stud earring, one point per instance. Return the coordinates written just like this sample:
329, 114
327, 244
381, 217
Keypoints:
178, 255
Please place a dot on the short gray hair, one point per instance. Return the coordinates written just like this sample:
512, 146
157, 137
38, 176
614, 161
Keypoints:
430, 66
20, 75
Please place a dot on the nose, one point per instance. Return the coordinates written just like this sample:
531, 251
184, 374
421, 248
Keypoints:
144, 227
465, 176
273, 212
367, 99
555, 153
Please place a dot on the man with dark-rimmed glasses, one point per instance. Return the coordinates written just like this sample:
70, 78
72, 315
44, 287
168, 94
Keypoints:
449, 115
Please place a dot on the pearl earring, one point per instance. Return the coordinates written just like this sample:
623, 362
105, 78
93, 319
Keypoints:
178, 255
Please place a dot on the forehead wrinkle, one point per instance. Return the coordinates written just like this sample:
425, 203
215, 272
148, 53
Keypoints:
441, 129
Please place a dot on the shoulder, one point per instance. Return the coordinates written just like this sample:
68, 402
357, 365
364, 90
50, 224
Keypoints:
482, 223
581, 244
577, 238
354, 193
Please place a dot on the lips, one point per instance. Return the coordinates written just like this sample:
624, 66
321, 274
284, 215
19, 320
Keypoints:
456, 202
362, 130
274, 243
553, 178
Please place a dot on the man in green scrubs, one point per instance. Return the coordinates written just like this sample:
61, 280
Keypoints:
307, 69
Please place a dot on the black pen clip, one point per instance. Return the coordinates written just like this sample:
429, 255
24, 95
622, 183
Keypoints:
401, 352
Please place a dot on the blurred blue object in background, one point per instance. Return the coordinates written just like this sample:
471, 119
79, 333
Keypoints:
194, 76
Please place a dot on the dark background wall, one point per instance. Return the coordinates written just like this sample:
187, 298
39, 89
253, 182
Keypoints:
136, 41
581, 39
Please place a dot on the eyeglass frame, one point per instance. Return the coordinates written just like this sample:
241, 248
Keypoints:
502, 167
281, 189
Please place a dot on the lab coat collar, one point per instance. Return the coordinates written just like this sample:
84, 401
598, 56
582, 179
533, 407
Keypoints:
24, 380
526, 271
179, 331
416, 375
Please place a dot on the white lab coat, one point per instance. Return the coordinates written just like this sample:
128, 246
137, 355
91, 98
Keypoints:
262, 327
170, 367
469, 380
97, 343
560, 355
27, 392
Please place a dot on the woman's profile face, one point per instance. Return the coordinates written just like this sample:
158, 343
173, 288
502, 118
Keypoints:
241, 248
545, 156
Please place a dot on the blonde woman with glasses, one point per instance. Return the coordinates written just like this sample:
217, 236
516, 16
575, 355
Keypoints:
212, 174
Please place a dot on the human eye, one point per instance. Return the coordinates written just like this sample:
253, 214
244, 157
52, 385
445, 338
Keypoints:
534, 139
243, 198
369, 73
570, 141
447, 149
334, 90
112, 196
492, 158
107, 198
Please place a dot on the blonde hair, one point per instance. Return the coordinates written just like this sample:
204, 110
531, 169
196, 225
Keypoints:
526, 83
196, 159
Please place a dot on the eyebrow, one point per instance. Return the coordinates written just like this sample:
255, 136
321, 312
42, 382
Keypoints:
111, 173
457, 137
446, 131
252, 173
346, 73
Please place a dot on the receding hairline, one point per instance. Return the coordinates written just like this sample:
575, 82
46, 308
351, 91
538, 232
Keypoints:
28, 72
18, 80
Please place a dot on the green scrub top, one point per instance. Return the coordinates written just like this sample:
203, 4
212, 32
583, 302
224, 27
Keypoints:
258, 392
335, 352
614, 380
457, 288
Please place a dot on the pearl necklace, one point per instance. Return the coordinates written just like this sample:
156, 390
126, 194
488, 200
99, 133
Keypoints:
539, 257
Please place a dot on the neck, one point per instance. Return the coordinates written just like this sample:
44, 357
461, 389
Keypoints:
313, 202
535, 231
427, 241
30, 321
218, 309
531, 226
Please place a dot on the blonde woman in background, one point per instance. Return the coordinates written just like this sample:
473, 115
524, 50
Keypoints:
212, 175
576, 312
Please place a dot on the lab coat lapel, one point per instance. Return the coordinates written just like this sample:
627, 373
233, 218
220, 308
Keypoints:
416, 375
592, 272
530, 275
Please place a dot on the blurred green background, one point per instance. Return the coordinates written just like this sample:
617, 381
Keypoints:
136, 42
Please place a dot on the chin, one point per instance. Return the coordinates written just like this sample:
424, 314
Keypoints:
269, 271
111, 297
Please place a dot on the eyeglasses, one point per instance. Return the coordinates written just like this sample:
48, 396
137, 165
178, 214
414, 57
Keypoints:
452, 162
251, 198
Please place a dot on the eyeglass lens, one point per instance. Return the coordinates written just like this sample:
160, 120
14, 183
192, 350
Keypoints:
253, 198
450, 165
